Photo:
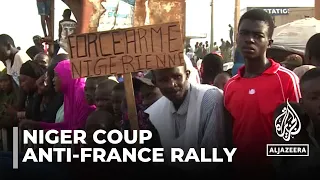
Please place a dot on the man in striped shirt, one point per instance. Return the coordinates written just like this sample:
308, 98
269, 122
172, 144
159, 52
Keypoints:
253, 94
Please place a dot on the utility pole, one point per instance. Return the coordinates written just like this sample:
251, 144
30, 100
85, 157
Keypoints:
51, 28
184, 20
212, 24
236, 18
317, 9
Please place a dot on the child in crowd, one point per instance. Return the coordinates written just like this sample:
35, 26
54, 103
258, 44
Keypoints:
91, 84
98, 120
221, 80
103, 95
310, 91
89, 90
90, 87
117, 96
101, 120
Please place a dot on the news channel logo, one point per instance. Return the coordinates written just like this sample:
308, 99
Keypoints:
287, 125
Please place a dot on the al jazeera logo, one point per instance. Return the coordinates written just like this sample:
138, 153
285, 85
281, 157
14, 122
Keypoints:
287, 125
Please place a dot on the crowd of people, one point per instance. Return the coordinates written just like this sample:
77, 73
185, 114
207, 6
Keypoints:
201, 49
183, 106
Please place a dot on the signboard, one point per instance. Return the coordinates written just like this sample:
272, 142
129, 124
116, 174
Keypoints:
126, 50
274, 11
117, 14
160, 11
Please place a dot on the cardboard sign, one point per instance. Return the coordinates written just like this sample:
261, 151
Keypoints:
126, 50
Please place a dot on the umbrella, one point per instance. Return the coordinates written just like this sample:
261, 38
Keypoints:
295, 35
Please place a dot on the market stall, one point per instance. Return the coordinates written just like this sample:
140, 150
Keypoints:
291, 38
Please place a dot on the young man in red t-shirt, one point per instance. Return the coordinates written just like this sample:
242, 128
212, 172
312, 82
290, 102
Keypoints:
253, 94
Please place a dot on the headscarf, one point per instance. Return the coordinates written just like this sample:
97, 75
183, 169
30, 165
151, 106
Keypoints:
32, 69
76, 109
299, 71
194, 77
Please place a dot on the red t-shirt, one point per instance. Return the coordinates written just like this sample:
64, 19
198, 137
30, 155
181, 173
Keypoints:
251, 103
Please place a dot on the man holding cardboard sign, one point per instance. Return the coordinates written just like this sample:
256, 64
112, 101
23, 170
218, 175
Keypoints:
196, 110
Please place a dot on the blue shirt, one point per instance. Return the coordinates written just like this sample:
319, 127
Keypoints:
120, 79
238, 62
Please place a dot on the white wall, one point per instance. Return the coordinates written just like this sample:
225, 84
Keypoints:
20, 20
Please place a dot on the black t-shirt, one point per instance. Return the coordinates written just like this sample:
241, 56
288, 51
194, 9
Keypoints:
32, 106
50, 109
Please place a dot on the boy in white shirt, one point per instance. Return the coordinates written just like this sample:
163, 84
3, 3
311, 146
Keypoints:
12, 57
67, 26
